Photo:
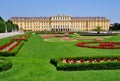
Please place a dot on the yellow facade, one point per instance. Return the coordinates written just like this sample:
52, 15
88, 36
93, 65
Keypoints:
61, 23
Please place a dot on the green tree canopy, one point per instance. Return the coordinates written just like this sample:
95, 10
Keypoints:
2, 25
15, 27
9, 27
115, 26
1, 19
98, 29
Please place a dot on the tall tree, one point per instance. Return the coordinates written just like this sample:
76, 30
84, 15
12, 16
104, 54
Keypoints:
1, 19
2, 25
9, 25
115, 26
15, 27
98, 29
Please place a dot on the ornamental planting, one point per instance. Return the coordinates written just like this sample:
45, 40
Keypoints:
9, 46
100, 45
87, 63
90, 60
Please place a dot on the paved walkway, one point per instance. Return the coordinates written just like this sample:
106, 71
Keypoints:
4, 35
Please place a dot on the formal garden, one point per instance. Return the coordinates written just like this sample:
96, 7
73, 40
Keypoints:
60, 57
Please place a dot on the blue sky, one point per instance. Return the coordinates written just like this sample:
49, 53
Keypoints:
107, 8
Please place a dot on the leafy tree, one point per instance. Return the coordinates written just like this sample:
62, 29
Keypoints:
115, 26
2, 25
15, 27
1, 19
9, 25
98, 29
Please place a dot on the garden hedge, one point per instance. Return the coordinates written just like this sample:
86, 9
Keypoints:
113, 62
5, 64
13, 52
100, 34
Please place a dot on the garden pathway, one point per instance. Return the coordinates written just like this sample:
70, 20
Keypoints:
5, 35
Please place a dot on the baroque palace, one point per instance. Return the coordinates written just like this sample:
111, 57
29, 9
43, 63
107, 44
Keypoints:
61, 23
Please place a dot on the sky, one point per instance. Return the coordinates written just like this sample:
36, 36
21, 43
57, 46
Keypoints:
82, 8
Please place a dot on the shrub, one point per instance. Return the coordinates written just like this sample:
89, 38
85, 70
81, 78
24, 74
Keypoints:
12, 51
95, 34
5, 64
87, 63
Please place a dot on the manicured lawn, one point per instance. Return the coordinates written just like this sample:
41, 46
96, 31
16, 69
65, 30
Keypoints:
32, 62
6, 40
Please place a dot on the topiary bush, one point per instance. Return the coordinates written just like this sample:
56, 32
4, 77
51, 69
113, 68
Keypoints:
5, 64
87, 63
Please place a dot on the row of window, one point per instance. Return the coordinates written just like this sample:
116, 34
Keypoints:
61, 27
39, 23
69, 25
61, 18
35, 26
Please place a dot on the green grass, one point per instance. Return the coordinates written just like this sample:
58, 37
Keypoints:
32, 62
6, 40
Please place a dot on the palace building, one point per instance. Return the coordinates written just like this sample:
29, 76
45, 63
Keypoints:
61, 23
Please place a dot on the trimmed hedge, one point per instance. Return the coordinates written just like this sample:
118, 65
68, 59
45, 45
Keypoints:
90, 66
112, 62
5, 64
100, 34
13, 52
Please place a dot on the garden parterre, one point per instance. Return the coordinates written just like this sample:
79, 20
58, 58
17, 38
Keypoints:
10, 49
87, 63
70, 38
32, 62
100, 45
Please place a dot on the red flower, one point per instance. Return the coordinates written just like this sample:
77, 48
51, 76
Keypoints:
118, 59
111, 59
13, 46
68, 60
82, 60
98, 60
91, 60
104, 59
74, 61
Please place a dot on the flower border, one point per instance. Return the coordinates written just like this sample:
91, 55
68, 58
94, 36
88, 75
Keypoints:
102, 45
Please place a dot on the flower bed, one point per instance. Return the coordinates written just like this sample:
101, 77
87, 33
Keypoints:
20, 38
100, 45
44, 37
4, 46
98, 39
11, 48
59, 40
87, 63
23, 37
5, 64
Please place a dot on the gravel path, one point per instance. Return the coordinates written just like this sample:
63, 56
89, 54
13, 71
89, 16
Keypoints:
4, 35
